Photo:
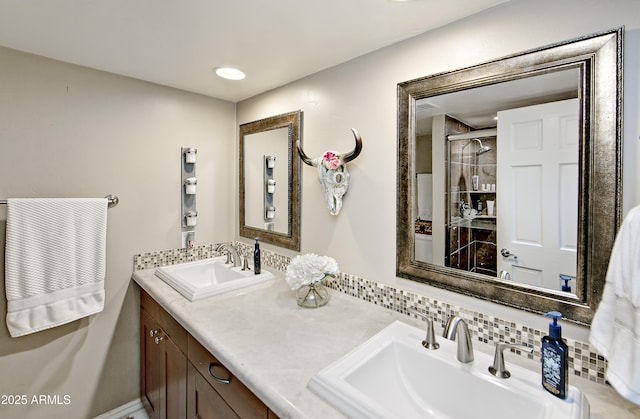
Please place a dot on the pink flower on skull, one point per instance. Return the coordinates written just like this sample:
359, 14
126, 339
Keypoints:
331, 161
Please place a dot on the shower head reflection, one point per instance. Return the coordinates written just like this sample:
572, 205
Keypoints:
483, 148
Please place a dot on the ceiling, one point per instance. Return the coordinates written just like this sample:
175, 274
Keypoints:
478, 107
179, 43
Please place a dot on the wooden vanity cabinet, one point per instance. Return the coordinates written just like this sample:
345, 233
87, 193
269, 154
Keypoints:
164, 362
181, 379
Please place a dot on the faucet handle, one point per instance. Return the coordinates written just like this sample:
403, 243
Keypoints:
498, 368
429, 341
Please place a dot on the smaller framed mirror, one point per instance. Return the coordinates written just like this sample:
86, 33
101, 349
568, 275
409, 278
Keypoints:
269, 181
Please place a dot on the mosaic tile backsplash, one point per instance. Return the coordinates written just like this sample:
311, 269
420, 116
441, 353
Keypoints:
583, 362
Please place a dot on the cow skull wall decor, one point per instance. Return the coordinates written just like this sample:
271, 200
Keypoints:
332, 172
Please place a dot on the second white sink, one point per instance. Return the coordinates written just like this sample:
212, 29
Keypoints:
393, 376
204, 278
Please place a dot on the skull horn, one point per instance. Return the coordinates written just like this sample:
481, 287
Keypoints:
356, 151
303, 156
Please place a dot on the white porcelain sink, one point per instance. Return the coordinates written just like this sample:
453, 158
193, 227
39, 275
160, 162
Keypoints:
392, 376
204, 278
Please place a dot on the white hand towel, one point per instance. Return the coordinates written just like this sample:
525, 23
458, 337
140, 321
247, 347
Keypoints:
615, 330
54, 261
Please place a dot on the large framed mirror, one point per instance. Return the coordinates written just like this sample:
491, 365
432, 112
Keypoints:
509, 176
270, 180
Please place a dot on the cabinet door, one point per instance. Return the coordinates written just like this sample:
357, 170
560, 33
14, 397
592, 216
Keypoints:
150, 352
164, 372
204, 401
173, 373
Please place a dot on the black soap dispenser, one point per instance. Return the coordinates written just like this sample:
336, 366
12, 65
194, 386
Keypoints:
256, 258
554, 359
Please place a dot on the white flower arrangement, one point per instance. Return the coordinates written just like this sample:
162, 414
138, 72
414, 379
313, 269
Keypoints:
309, 269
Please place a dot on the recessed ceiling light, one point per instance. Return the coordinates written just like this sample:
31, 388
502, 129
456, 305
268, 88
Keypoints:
229, 73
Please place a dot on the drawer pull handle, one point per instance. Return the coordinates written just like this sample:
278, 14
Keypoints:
159, 339
153, 332
218, 379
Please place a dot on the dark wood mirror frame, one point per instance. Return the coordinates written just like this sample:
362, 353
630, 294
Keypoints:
599, 58
293, 122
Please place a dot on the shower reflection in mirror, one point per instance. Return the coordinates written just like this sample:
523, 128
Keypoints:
470, 236
469, 241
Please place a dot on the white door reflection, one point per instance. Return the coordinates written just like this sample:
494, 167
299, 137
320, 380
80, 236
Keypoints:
538, 170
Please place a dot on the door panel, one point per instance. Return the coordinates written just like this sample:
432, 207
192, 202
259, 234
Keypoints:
538, 170
527, 210
175, 376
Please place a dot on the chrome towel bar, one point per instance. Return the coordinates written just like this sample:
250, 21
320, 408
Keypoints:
113, 200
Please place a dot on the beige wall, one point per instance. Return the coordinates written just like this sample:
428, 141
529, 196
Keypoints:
362, 94
66, 131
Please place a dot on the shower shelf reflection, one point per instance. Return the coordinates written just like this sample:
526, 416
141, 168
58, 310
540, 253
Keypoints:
478, 223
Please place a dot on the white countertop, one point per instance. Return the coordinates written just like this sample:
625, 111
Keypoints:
274, 347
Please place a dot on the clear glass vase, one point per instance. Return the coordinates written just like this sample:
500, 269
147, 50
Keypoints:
312, 296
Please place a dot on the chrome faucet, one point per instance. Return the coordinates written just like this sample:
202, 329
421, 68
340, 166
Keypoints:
498, 369
429, 341
232, 254
465, 346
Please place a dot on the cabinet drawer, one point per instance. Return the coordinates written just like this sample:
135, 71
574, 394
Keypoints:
236, 394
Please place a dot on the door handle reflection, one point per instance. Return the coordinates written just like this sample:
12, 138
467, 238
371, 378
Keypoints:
507, 253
